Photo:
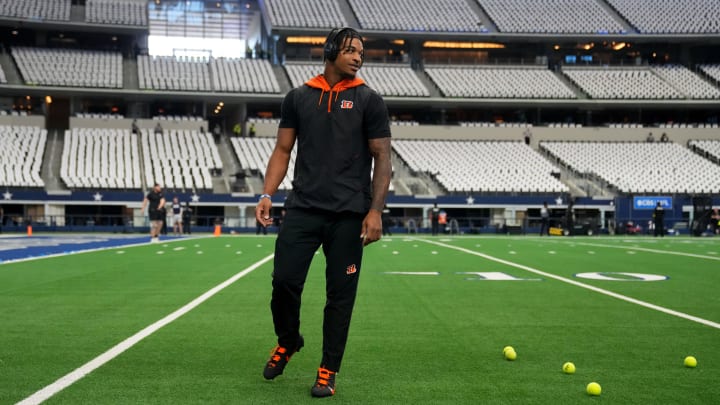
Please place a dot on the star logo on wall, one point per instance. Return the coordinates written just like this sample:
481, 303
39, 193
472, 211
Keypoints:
97, 197
558, 201
7, 195
195, 198
470, 200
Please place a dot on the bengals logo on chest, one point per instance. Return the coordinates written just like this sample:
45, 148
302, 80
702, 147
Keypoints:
346, 104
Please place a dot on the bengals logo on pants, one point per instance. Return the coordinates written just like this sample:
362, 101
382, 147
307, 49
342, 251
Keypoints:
351, 269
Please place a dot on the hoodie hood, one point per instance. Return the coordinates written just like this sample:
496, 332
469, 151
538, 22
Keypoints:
319, 82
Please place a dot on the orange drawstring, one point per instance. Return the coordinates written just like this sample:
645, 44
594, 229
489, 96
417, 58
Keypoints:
322, 93
321, 96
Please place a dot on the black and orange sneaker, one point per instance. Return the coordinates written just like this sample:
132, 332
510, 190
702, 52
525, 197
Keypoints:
279, 358
324, 383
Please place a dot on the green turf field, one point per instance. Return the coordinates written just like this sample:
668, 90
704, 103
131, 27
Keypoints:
430, 324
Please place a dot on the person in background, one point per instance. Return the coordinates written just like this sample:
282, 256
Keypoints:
570, 218
386, 221
177, 217
260, 227
714, 221
164, 227
155, 203
544, 219
659, 220
434, 219
442, 221
186, 218
217, 131
340, 127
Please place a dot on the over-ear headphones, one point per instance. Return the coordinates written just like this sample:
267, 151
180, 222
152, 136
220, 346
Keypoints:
331, 49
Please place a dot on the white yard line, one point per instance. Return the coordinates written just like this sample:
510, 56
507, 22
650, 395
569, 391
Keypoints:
642, 249
82, 371
582, 285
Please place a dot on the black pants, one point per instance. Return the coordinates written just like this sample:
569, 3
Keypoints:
302, 233
544, 226
659, 228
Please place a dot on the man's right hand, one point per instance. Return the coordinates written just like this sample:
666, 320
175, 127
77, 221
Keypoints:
262, 212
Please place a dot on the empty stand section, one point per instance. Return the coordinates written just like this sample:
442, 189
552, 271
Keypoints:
171, 73
122, 12
243, 75
671, 16
707, 147
69, 67
711, 70
640, 167
100, 158
417, 15
299, 73
58, 10
180, 159
551, 16
621, 83
393, 80
22, 155
254, 153
199, 74
498, 82
481, 166
305, 13
690, 84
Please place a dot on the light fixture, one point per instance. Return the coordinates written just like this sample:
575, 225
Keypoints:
463, 45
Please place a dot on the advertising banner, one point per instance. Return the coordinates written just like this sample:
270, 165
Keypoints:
649, 203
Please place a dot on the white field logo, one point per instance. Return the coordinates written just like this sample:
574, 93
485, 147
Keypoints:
621, 276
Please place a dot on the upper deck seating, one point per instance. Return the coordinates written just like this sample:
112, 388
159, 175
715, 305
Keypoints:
498, 82
69, 67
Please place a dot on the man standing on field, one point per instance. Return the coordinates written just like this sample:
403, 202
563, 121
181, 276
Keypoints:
340, 126
155, 201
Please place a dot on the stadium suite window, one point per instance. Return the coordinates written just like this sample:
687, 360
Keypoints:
180, 26
185, 46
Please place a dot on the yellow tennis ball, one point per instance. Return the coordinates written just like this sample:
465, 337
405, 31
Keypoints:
690, 361
510, 354
594, 389
506, 348
568, 368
